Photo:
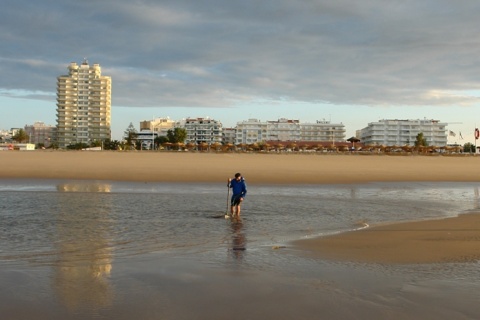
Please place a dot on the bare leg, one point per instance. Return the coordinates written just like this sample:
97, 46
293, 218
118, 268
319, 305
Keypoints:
238, 210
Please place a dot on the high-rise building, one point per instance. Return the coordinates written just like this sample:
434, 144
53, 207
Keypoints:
83, 105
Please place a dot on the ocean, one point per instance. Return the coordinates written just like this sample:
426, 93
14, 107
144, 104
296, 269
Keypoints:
123, 250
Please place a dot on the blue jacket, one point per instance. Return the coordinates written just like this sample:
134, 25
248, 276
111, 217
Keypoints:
239, 187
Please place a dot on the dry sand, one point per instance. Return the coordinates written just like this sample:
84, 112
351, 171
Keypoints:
257, 168
453, 239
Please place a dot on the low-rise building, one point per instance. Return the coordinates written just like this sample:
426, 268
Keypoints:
146, 139
17, 146
159, 125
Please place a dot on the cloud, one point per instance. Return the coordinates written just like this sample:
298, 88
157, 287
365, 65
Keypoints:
216, 53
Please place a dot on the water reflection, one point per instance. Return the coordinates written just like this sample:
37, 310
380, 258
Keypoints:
81, 275
353, 193
239, 239
84, 187
476, 199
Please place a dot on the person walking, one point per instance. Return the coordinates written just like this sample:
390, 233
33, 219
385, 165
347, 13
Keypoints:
239, 191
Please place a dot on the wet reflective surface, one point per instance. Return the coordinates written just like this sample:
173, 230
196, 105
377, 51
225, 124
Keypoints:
159, 251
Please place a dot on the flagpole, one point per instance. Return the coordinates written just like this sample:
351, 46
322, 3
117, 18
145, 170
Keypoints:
476, 138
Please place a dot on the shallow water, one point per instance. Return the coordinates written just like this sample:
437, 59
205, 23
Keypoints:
155, 250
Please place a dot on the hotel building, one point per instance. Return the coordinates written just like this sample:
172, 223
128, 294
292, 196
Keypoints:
83, 105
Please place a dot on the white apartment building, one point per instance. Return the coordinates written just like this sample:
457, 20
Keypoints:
322, 131
40, 133
250, 131
254, 131
202, 130
83, 105
404, 132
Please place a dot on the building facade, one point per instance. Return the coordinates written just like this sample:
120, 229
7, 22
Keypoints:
250, 131
83, 105
255, 131
40, 134
202, 130
283, 130
404, 132
229, 135
322, 131
146, 139
159, 125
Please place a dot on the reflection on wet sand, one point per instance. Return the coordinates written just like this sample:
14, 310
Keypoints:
84, 187
476, 199
81, 275
238, 238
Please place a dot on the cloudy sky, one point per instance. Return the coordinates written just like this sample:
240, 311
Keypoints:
348, 61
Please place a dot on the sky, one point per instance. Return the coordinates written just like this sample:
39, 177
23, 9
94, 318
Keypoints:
346, 61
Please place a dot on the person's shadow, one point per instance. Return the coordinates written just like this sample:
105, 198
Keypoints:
238, 238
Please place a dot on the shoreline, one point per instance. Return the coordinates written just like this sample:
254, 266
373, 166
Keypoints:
433, 241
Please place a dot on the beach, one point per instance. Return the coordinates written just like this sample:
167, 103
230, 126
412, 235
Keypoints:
122, 235
446, 240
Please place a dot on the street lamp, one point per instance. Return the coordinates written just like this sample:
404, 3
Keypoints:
153, 133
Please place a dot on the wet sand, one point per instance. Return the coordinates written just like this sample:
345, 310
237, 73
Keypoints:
454, 239
446, 240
